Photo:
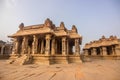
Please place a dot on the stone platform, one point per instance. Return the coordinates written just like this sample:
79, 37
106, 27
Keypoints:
114, 57
44, 59
55, 59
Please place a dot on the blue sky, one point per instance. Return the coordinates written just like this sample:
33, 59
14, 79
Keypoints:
93, 18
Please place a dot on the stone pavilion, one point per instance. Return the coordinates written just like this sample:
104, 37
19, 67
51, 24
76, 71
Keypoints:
46, 44
104, 47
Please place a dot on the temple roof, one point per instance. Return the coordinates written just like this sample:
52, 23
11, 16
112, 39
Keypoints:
47, 27
32, 31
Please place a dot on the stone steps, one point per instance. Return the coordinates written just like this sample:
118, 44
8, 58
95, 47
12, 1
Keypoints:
21, 60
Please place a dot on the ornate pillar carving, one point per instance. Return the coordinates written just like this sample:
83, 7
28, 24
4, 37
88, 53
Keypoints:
56, 47
2, 49
64, 46
34, 44
101, 51
47, 47
15, 46
67, 47
94, 51
53, 47
24, 45
104, 51
85, 52
117, 50
42, 46
113, 50
77, 47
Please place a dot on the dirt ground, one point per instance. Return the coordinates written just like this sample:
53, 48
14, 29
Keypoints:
94, 70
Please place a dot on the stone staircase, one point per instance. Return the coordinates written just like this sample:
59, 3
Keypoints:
21, 60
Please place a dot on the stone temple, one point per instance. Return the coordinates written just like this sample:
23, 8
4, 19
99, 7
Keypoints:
46, 44
104, 47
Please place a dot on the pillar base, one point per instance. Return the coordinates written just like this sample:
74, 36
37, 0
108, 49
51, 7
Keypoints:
59, 59
48, 59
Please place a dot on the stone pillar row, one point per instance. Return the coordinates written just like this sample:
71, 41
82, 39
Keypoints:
103, 50
65, 45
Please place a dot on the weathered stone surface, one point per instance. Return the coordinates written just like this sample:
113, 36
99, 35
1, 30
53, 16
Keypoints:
95, 70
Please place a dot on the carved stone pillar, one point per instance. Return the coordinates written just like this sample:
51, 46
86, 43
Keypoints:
42, 46
9, 50
53, 47
94, 51
77, 47
117, 50
64, 46
56, 47
15, 46
2, 49
104, 50
47, 47
85, 52
24, 45
67, 47
113, 50
34, 44
101, 51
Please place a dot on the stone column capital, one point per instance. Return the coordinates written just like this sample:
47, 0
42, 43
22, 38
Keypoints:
104, 48
48, 36
63, 38
94, 49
